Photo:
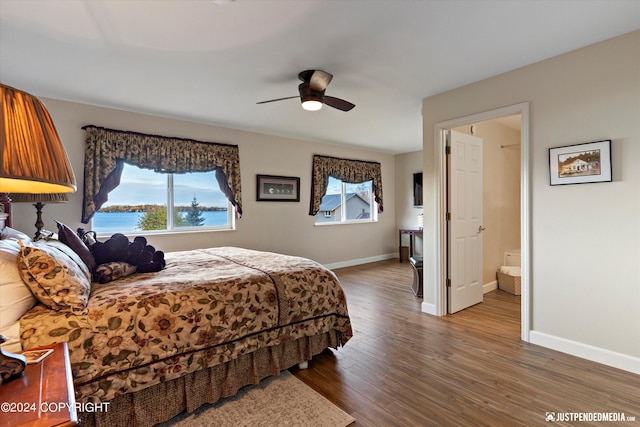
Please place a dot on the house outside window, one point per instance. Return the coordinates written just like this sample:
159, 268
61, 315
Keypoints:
154, 202
347, 203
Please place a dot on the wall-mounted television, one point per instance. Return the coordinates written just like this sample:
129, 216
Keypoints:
417, 189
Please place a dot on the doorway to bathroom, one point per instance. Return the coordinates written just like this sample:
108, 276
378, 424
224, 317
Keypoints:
496, 226
505, 218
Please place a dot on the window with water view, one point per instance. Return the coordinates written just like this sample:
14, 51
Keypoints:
146, 201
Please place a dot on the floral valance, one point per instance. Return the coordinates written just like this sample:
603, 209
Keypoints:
350, 171
107, 150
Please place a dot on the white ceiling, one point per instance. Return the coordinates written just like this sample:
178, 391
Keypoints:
210, 62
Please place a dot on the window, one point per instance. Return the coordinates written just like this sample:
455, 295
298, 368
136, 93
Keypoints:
146, 200
108, 151
345, 202
331, 171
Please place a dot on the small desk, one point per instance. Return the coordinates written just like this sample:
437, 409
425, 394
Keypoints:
43, 396
411, 232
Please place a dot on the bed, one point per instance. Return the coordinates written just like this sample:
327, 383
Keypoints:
211, 322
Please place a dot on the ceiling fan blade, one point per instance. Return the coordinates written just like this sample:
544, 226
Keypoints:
320, 80
279, 99
338, 103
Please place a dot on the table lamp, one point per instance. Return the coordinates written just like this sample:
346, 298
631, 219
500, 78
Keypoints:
32, 160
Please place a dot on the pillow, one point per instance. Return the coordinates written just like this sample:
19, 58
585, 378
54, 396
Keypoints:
110, 271
55, 274
71, 239
11, 233
12, 334
17, 298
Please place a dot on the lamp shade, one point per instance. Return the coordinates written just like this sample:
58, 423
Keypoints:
45, 198
33, 159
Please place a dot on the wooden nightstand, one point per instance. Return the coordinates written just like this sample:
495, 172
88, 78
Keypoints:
43, 396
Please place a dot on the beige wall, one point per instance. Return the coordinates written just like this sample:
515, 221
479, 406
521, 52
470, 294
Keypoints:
271, 226
500, 193
585, 239
406, 213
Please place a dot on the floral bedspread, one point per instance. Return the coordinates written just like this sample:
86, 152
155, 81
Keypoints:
207, 307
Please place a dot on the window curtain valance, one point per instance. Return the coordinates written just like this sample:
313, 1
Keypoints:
107, 150
349, 171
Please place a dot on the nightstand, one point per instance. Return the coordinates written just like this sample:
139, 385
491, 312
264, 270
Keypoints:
43, 396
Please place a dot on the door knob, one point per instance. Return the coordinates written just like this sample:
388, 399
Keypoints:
481, 229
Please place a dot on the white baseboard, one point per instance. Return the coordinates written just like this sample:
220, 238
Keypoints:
351, 263
586, 351
429, 308
491, 286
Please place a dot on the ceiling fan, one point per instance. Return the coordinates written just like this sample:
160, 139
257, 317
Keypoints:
314, 83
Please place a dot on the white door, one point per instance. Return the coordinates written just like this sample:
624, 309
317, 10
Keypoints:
464, 285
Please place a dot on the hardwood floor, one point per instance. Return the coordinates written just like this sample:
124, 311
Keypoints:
407, 368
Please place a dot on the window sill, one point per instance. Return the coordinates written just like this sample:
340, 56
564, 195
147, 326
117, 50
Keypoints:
329, 224
163, 232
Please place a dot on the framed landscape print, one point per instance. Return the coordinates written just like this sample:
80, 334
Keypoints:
278, 188
580, 163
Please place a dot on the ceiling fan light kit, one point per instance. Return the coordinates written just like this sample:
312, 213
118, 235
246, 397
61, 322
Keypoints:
314, 83
311, 100
311, 105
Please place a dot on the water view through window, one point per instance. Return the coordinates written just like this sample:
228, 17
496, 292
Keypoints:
146, 200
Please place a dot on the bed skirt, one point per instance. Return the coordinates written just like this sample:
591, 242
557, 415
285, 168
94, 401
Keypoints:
164, 401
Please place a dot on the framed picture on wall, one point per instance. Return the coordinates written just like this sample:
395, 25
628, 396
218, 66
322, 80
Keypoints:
580, 163
417, 189
277, 188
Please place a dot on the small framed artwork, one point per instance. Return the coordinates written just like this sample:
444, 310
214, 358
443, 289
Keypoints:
277, 188
580, 163
36, 356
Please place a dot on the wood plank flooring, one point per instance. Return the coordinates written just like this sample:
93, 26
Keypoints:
407, 368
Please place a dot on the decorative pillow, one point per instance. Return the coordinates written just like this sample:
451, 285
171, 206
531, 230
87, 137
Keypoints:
71, 239
110, 271
16, 298
55, 274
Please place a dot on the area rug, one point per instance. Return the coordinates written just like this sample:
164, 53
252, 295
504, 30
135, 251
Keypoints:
277, 401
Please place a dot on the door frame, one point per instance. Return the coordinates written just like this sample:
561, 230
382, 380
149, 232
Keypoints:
440, 273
